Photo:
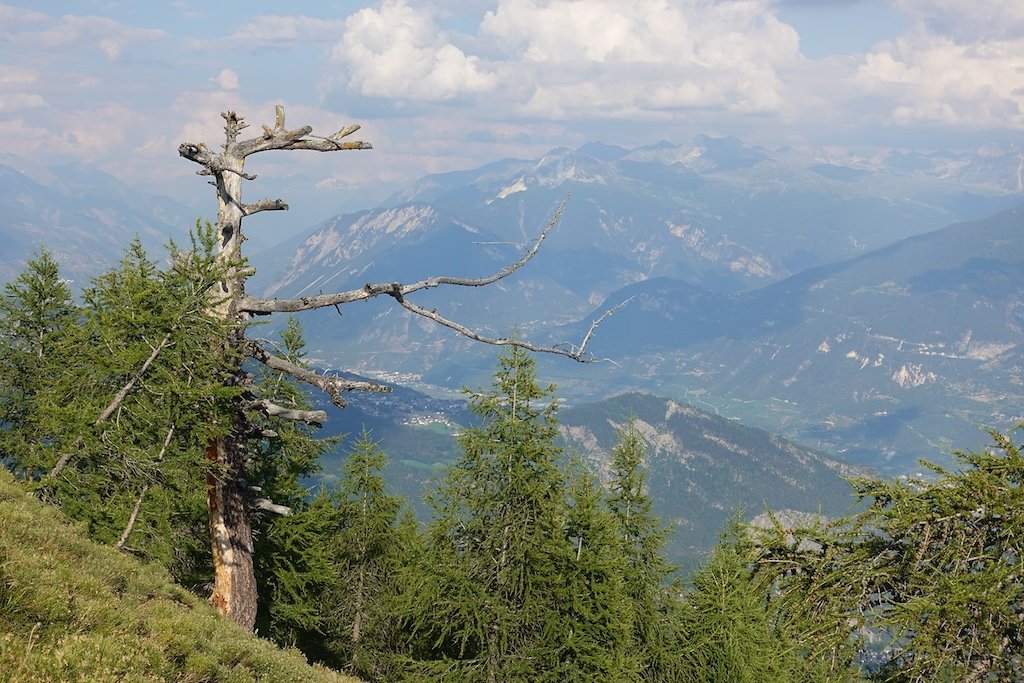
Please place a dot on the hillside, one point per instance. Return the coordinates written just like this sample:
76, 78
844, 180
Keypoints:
71, 610
894, 356
84, 216
715, 212
703, 468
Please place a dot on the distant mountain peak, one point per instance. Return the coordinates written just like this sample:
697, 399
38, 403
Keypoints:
602, 152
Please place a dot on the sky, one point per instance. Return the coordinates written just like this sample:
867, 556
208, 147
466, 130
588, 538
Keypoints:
448, 85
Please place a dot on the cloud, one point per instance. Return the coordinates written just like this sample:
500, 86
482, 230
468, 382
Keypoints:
576, 58
110, 37
20, 102
975, 21
227, 79
956, 65
619, 59
12, 74
271, 31
398, 51
17, 16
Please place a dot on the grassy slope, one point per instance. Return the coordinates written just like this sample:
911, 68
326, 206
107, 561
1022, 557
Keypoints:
71, 610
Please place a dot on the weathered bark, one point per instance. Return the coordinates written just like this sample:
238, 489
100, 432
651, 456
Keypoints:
234, 581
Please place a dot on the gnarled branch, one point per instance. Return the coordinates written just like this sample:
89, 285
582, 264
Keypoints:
395, 289
264, 205
277, 137
576, 352
314, 418
332, 385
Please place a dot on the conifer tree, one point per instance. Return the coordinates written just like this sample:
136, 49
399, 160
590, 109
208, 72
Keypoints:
488, 601
596, 610
367, 558
113, 415
36, 314
292, 551
643, 540
728, 632
935, 569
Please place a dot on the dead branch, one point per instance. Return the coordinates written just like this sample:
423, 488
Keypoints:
142, 494
332, 385
581, 349
64, 458
270, 506
264, 205
262, 306
576, 353
119, 398
314, 418
277, 137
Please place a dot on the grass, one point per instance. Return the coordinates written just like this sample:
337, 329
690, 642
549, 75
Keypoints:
72, 610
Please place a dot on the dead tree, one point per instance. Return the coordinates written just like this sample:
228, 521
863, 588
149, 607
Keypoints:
230, 500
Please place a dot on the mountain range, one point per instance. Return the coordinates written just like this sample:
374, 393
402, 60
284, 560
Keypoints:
84, 216
863, 304
840, 300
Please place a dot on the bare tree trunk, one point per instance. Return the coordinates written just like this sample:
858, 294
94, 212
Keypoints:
234, 581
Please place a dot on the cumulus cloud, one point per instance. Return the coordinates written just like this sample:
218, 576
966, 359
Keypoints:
227, 79
956, 65
20, 101
577, 58
647, 55
398, 51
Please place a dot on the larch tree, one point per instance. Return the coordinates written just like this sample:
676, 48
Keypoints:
36, 312
489, 604
643, 539
229, 498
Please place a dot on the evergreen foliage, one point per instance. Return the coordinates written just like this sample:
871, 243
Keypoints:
368, 553
111, 429
36, 315
643, 539
926, 582
489, 597
530, 571
293, 558
729, 634
596, 606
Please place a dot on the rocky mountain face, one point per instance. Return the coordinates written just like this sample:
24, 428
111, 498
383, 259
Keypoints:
82, 215
714, 213
703, 469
